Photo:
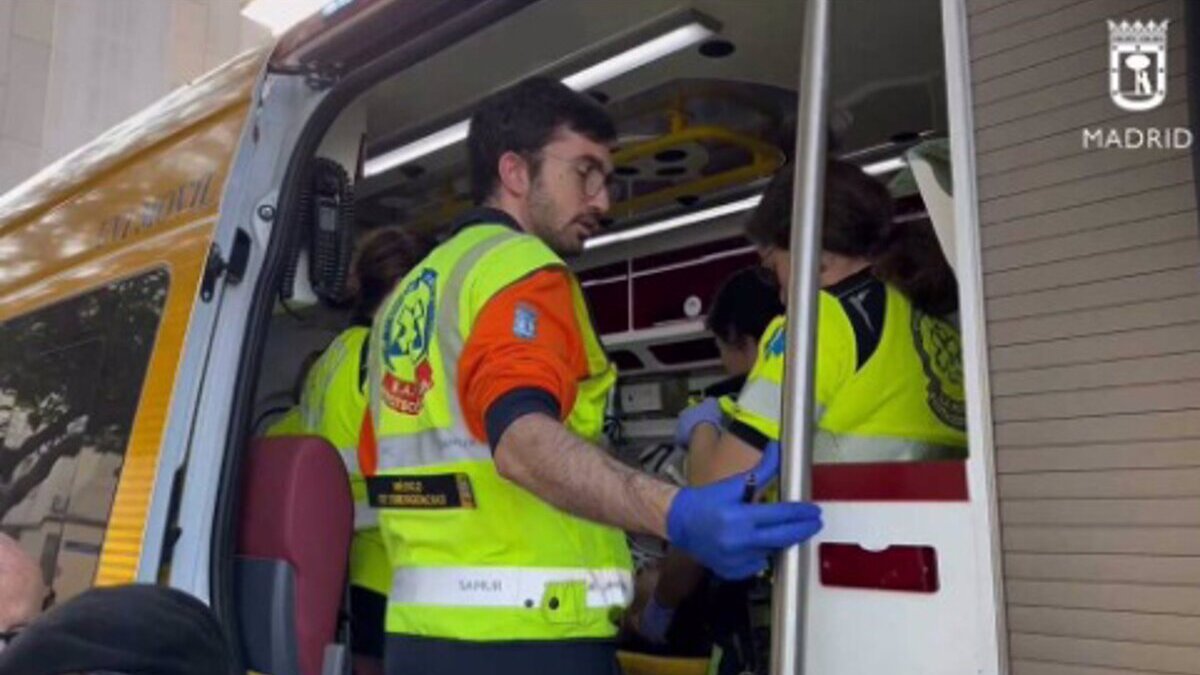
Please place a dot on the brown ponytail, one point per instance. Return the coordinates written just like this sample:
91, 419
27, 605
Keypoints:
859, 223
383, 257
910, 258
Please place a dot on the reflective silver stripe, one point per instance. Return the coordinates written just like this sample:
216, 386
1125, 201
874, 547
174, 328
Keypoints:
430, 448
830, 448
350, 459
765, 399
762, 398
505, 586
365, 517
448, 335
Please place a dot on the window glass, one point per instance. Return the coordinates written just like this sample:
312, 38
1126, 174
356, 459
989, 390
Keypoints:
70, 378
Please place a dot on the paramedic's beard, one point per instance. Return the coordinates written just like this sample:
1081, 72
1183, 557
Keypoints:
564, 238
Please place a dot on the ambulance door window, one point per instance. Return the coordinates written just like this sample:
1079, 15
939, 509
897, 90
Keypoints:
71, 378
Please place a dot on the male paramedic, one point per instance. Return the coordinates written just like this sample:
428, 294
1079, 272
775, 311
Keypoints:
501, 517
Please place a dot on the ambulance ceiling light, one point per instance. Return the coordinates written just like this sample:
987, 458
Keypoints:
730, 208
625, 62
674, 223
885, 166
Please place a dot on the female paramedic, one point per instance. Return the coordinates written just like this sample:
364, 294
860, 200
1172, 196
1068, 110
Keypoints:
332, 405
888, 371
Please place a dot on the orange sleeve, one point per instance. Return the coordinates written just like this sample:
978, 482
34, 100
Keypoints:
526, 338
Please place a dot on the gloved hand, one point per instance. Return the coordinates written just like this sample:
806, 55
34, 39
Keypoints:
654, 621
733, 538
707, 411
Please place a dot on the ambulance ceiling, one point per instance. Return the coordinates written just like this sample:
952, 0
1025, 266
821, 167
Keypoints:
886, 79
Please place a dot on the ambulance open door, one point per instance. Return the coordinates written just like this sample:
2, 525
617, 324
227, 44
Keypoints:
902, 579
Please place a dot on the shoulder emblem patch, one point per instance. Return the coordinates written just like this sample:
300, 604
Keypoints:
940, 350
777, 343
407, 331
525, 321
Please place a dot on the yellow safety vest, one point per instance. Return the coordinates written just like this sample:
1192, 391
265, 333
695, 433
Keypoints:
904, 404
288, 424
474, 556
332, 407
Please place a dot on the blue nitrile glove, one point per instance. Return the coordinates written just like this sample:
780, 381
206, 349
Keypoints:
734, 538
654, 621
707, 411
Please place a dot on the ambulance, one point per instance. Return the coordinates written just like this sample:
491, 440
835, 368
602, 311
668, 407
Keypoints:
160, 286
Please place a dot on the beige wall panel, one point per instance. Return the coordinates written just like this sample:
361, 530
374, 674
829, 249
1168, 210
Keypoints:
1066, 144
1091, 113
1113, 484
1036, 102
1159, 369
1121, 569
1184, 600
1105, 401
1166, 658
1139, 455
1076, 167
982, 6
1026, 45
1179, 512
1168, 312
1053, 35
1155, 258
1122, 626
1137, 207
994, 16
1027, 667
1127, 290
1105, 186
1052, 73
1138, 427
1161, 540
1118, 237
1135, 343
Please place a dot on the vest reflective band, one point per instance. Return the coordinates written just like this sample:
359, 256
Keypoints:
332, 406
508, 586
474, 556
904, 404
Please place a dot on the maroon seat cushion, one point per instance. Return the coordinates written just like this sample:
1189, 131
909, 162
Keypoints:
297, 508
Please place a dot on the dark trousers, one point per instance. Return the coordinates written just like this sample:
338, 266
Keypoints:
367, 611
407, 655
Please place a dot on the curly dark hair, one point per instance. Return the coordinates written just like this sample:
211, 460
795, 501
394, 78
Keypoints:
743, 306
523, 119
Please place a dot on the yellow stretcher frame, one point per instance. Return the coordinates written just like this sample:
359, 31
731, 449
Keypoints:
636, 663
765, 160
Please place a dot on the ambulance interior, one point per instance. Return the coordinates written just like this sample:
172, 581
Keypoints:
703, 126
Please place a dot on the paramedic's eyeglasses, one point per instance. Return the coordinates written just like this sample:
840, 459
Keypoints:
592, 177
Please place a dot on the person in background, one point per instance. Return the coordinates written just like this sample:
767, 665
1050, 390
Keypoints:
740, 310
888, 382
21, 587
501, 516
332, 404
746, 302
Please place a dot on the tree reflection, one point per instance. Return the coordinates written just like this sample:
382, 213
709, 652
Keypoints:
71, 376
